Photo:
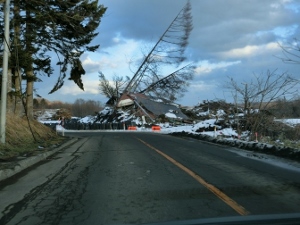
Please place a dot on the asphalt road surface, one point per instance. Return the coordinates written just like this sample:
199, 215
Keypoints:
135, 178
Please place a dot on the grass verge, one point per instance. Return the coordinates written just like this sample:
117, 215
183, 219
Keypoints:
20, 141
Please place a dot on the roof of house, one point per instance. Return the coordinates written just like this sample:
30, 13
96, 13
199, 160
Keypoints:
157, 107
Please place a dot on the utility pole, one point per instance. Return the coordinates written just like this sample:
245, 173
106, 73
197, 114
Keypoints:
246, 99
4, 71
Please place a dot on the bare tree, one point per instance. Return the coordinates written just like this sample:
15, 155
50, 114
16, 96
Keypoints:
291, 52
83, 108
259, 94
113, 89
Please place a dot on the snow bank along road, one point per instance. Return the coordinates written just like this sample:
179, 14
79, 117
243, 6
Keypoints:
122, 178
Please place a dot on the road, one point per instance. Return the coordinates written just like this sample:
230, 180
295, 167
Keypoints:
135, 178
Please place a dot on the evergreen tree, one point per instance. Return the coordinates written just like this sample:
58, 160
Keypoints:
41, 28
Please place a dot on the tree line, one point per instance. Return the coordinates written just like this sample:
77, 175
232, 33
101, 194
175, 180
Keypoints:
79, 108
47, 36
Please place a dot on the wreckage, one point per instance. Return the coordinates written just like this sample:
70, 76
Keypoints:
141, 105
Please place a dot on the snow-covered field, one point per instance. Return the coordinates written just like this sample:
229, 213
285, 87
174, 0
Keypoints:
290, 122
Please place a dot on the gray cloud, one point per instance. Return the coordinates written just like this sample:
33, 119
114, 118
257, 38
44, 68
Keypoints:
220, 27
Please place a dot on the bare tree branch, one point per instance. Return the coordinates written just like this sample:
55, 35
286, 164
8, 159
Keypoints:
291, 52
114, 88
261, 93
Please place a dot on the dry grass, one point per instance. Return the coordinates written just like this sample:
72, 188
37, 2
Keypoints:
20, 139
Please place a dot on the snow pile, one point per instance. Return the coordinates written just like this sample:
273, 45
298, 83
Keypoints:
206, 113
124, 116
204, 125
50, 121
87, 119
228, 132
45, 115
106, 111
171, 115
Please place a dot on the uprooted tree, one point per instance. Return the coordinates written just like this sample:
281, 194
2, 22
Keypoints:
168, 50
258, 97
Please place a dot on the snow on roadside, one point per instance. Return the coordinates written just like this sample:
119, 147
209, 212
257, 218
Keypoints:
226, 132
270, 159
289, 122
50, 121
59, 128
252, 150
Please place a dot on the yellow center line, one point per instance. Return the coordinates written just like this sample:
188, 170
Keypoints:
229, 201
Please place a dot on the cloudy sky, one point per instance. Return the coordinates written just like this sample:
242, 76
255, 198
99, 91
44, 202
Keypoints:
231, 38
